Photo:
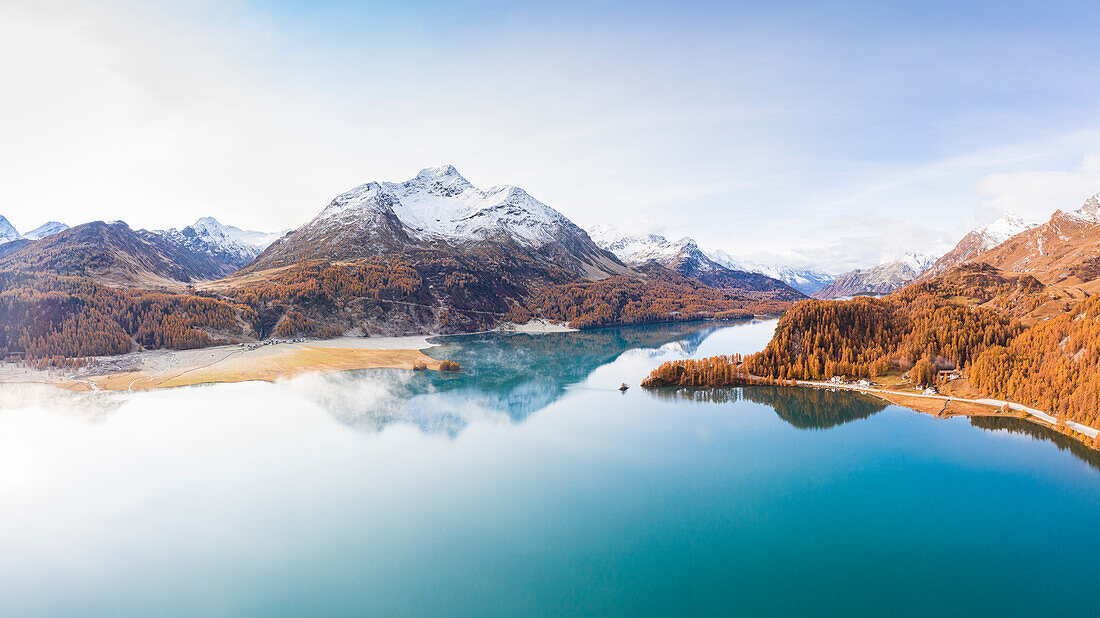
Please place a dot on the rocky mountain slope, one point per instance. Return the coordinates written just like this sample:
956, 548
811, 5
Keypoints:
878, 280
977, 241
1065, 250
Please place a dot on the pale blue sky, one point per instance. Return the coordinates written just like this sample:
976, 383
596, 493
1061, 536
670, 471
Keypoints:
831, 132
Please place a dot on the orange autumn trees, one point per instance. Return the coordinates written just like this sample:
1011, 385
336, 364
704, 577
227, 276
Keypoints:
658, 298
865, 337
1052, 366
923, 372
46, 315
963, 320
714, 371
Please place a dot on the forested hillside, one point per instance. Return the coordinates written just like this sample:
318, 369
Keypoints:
966, 320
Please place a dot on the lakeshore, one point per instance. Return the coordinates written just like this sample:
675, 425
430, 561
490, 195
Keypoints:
946, 406
232, 363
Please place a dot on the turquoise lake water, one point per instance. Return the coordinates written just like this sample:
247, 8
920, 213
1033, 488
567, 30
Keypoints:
529, 485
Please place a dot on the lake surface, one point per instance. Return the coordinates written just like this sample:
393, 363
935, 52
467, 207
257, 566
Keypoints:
530, 486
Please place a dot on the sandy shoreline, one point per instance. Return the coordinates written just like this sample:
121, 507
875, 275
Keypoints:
232, 363
235, 363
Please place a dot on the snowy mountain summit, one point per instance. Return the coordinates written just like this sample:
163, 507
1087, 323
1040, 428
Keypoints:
642, 248
1090, 210
229, 244
8, 232
46, 229
916, 262
1009, 225
437, 209
439, 204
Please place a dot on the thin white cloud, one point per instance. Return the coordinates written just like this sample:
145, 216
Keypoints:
1035, 194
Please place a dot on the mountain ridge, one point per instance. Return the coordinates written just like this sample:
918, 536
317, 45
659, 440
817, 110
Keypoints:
977, 241
439, 209
685, 257
878, 280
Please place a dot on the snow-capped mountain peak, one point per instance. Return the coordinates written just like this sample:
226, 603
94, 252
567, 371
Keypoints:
641, 248
995, 233
46, 229
1090, 210
917, 262
977, 241
440, 204
438, 209
231, 244
8, 232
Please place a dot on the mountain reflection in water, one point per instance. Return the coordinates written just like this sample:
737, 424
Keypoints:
513, 374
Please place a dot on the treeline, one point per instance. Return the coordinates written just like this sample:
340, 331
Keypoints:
866, 337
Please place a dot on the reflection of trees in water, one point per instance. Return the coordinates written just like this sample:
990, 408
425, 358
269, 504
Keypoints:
1020, 426
805, 408
515, 374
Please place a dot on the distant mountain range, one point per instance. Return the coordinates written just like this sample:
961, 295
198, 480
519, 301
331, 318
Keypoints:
877, 280
805, 280
437, 254
8, 232
228, 245
115, 253
431, 254
685, 257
